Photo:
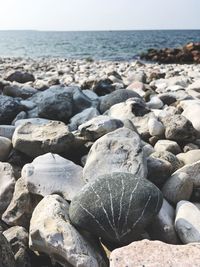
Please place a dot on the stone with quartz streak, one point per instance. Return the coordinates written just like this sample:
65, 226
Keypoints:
50, 173
116, 207
118, 151
147, 253
52, 233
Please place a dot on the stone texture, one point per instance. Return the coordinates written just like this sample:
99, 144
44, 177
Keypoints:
9, 108
21, 206
167, 145
156, 254
179, 129
82, 117
156, 128
50, 173
159, 170
6, 255
187, 222
193, 171
7, 184
99, 126
17, 236
115, 97
5, 148
7, 131
178, 187
16, 91
35, 140
20, 77
162, 227
171, 158
52, 233
189, 157
191, 112
116, 207
119, 151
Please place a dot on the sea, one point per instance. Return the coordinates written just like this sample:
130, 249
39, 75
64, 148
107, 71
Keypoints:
97, 45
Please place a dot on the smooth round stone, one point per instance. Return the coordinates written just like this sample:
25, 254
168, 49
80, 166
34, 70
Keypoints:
5, 148
187, 222
162, 227
178, 187
99, 126
167, 145
156, 128
116, 207
189, 157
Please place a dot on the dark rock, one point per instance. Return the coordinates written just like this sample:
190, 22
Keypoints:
116, 97
20, 77
6, 255
9, 108
116, 207
104, 87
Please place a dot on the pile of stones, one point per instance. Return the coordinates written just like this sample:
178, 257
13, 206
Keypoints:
187, 54
99, 163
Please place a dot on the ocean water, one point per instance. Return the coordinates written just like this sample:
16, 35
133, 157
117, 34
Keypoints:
101, 45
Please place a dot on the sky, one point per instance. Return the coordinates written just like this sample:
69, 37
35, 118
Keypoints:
73, 15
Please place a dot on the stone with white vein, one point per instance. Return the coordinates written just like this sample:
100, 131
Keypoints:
116, 207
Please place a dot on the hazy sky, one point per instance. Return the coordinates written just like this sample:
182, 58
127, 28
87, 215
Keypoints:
99, 14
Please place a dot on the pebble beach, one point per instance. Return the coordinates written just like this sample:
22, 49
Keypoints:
99, 163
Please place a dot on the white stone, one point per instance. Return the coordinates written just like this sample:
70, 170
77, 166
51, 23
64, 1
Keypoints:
167, 145
50, 173
52, 233
156, 127
187, 222
189, 157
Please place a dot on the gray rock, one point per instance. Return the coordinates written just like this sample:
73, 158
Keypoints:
6, 255
155, 103
17, 91
52, 233
50, 173
99, 126
167, 145
159, 170
20, 77
171, 158
82, 117
193, 171
116, 207
178, 187
115, 97
35, 121
21, 206
5, 148
190, 146
118, 151
103, 87
162, 227
7, 131
7, 184
9, 108
187, 222
35, 140
179, 129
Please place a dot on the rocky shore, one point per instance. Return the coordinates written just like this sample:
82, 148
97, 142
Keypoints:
99, 163
187, 54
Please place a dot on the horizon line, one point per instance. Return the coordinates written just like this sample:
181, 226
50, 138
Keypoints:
104, 30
